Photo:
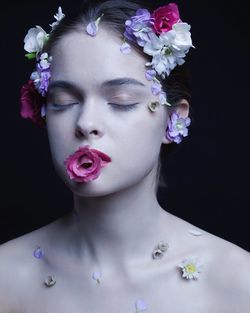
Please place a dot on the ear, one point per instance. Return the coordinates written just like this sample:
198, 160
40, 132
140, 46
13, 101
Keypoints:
182, 108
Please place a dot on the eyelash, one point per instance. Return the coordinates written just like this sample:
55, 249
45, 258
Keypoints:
116, 106
61, 107
124, 107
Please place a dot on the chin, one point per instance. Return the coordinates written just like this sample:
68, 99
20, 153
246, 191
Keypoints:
102, 186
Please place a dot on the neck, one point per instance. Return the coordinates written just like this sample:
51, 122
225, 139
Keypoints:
120, 226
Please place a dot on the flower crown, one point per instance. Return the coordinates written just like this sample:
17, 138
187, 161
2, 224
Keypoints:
162, 36
33, 93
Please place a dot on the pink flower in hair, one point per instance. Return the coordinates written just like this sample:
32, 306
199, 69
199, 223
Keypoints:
165, 17
31, 103
85, 164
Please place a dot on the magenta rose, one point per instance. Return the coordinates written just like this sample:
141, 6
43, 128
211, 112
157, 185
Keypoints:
165, 17
85, 164
31, 103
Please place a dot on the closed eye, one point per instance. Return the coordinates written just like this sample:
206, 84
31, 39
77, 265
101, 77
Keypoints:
124, 107
61, 107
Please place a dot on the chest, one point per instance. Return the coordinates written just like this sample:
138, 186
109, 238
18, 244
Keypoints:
161, 295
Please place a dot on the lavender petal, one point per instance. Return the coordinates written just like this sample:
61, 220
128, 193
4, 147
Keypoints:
140, 305
38, 253
92, 29
125, 48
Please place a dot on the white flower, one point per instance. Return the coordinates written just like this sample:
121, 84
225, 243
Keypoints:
45, 61
35, 39
182, 39
168, 49
58, 16
191, 268
35, 76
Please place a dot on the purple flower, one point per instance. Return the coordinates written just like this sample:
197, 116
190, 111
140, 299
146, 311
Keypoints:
163, 97
125, 48
156, 89
41, 76
43, 83
177, 127
138, 27
150, 74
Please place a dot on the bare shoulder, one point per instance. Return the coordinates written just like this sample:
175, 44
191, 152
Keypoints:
18, 267
226, 272
225, 275
229, 271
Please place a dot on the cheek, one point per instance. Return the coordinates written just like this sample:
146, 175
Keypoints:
141, 143
58, 132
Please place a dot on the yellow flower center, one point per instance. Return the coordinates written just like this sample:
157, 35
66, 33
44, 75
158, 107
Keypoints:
179, 125
190, 268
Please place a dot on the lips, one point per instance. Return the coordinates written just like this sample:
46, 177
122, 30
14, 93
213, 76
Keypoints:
85, 164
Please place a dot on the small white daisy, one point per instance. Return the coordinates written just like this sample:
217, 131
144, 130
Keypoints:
191, 268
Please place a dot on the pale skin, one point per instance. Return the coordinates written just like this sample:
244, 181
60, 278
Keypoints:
119, 220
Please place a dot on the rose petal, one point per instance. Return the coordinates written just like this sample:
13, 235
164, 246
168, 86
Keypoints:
75, 164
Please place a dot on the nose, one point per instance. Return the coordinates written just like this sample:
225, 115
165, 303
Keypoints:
89, 122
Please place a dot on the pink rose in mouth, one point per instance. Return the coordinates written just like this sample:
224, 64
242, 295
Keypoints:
165, 17
85, 164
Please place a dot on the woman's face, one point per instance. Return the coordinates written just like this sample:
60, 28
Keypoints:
99, 96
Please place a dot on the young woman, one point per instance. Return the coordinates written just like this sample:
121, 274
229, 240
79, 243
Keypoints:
109, 86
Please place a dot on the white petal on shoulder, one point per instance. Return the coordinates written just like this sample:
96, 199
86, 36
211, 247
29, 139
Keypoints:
195, 232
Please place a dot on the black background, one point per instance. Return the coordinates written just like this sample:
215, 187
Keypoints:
207, 175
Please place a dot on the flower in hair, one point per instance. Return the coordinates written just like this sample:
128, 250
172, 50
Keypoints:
177, 127
162, 36
190, 267
165, 17
34, 41
58, 17
34, 92
93, 27
168, 49
139, 26
42, 74
125, 48
31, 103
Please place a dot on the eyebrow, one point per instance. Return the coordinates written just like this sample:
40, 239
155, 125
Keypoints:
64, 85
124, 81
